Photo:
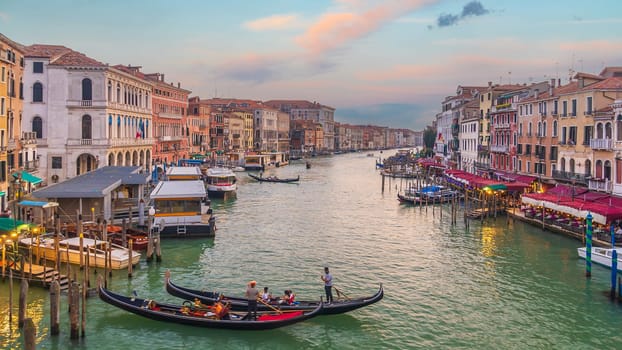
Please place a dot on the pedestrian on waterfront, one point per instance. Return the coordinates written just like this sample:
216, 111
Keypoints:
328, 285
29, 215
251, 296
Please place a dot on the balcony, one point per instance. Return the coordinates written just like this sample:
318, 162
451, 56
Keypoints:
86, 104
601, 144
87, 142
543, 114
499, 148
170, 138
169, 115
566, 176
28, 138
588, 113
502, 126
31, 165
481, 165
603, 185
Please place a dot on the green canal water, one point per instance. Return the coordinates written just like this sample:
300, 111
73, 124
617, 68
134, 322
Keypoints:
493, 286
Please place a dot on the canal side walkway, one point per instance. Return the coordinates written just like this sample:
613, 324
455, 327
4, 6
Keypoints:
599, 239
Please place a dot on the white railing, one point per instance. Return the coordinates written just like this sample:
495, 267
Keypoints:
603, 185
602, 144
499, 148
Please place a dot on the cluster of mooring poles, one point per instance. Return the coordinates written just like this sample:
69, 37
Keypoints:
77, 293
616, 281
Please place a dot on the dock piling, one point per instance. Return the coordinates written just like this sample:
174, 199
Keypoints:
54, 308
23, 293
588, 247
129, 265
30, 334
74, 309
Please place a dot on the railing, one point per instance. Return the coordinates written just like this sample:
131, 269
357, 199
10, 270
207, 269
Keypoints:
543, 114
170, 138
600, 185
169, 115
499, 148
571, 177
86, 103
482, 165
502, 126
31, 165
601, 144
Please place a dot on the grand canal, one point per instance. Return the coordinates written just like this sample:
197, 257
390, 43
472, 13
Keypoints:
495, 285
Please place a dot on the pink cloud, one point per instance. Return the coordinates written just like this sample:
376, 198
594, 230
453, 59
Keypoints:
401, 72
273, 22
592, 46
335, 29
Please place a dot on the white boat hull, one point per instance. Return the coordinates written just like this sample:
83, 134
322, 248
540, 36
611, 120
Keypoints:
602, 256
44, 248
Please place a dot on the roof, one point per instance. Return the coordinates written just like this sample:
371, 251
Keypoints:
61, 56
95, 184
179, 189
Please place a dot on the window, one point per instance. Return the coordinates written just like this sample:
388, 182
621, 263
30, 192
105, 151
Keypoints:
37, 127
57, 162
2, 106
588, 134
554, 128
572, 135
86, 127
87, 89
564, 108
588, 108
2, 74
37, 67
37, 92
574, 108
555, 107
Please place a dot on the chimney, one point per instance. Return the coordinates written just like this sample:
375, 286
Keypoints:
178, 85
559, 82
535, 93
162, 77
551, 87
489, 84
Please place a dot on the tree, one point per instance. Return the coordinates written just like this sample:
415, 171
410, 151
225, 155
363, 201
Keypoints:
429, 137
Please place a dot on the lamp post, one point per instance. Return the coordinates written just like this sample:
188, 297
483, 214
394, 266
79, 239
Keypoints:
150, 234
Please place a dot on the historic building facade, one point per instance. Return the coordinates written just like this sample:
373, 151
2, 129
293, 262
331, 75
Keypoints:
84, 113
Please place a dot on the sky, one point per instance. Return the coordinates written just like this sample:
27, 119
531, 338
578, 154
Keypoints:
380, 62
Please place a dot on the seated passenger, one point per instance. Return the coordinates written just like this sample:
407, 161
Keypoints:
266, 297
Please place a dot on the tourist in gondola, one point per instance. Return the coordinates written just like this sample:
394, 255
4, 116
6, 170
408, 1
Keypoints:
251, 295
328, 285
266, 297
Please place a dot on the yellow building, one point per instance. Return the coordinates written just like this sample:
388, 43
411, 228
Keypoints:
11, 102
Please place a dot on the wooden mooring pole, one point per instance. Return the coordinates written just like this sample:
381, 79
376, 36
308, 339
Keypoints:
30, 334
74, 291
21, 312
129, 265
54, 308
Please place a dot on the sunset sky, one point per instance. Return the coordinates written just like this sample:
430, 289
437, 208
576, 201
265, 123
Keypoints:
382, 62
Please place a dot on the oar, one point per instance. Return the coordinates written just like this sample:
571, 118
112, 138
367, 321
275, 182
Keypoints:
270, 306
340, 293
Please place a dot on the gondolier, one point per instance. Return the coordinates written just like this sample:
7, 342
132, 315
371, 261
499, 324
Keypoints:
328, 285
251, 295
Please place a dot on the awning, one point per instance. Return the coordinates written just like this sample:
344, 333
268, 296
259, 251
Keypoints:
9, 224
2, 193
38, 204
26, 176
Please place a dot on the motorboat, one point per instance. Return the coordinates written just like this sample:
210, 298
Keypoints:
602, 256
220, 182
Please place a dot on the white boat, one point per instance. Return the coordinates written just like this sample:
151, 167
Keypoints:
602, 256
220, 181
182, 209
69, 250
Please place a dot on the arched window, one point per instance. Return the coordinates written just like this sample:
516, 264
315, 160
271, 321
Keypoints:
608, 131
87, 89
118, 93
37, 92
86, 127
554, 128
109, 96
37, 127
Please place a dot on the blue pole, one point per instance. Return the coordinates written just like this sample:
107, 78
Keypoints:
614, 272
588, 246
613, 236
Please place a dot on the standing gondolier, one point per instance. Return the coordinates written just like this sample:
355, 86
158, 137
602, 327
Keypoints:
328, 285
251, 295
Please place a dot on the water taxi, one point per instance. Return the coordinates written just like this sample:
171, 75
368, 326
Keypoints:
182, 209
602, 256
220, 182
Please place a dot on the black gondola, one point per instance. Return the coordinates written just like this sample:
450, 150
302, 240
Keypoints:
237, 303
274, 178
188, 314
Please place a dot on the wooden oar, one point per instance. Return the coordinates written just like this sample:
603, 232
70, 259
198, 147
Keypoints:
270, 306
340, 293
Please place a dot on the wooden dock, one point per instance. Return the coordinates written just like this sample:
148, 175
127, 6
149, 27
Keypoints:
39, 274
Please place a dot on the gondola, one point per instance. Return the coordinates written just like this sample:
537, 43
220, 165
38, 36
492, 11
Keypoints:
274, 178
237, 303
189, 314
